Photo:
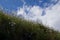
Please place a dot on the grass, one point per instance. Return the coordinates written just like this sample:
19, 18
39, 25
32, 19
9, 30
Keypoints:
13, 28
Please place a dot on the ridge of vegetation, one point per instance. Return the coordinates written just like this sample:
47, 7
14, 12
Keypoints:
13, 28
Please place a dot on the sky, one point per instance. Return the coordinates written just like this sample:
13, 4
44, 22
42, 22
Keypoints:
45, 11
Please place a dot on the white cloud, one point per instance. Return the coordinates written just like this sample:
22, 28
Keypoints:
33, 13
36, 10
52, 17
20, 11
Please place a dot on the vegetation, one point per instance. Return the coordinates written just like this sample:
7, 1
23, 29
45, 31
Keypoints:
13, 28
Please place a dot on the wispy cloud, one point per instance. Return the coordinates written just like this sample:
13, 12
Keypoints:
29, 12
52, 17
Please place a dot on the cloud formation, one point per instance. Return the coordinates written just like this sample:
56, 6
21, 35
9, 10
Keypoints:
30, 13
52, 17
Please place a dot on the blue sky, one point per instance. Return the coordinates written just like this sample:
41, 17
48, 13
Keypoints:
47, 11
10, 4
14, 4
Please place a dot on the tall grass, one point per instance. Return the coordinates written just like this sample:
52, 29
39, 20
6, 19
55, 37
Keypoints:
13, 28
